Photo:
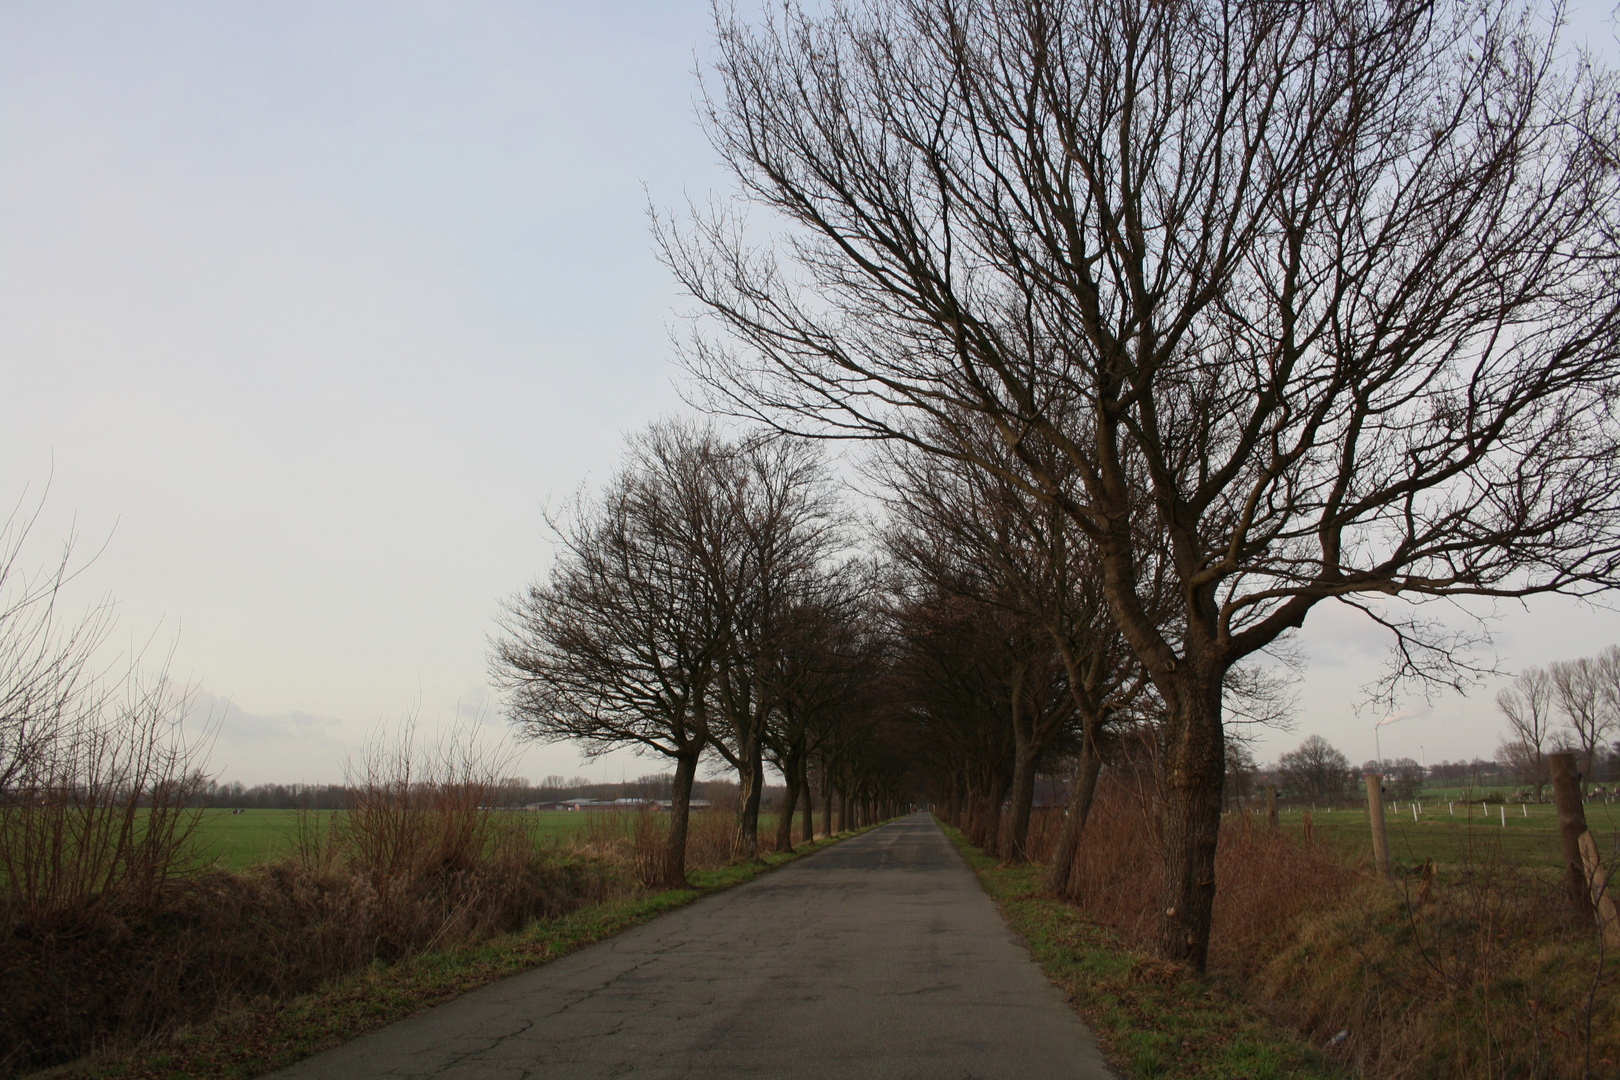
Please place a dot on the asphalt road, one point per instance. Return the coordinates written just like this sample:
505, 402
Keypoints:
877, 958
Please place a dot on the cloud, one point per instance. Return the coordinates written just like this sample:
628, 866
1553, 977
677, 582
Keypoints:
238, 727
256, 748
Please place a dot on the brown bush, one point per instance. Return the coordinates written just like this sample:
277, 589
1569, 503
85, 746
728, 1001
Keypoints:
634, 839
1466, 971
413, 865
125, 972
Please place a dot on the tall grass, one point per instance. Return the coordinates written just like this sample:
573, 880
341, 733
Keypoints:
110, 931
1467, 970
636, 838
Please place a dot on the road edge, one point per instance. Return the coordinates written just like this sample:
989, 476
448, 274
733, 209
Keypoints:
252, 1042
1153, 1020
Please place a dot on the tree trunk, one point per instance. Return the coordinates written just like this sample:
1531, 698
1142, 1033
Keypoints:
809, 807
843, 809
784, 820
680, 812
1194, 770
990, 827
975, 808
1571, 824
745, 844
826, 802
1015, 831
1060, 870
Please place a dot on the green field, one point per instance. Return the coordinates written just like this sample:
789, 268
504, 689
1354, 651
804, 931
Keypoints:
240, 840
237, 841
1461, 832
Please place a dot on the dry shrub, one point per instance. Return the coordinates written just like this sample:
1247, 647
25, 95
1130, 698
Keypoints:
1116, 872
1472, 970
95, 776
633, 840
100, 812
96, 786
652, 834
1045, 822
708, 837
1469, 970
415, 864
218, 938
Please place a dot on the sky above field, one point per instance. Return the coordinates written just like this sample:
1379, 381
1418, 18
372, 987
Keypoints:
308, 311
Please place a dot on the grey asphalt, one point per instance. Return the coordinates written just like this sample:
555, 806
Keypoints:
877, 958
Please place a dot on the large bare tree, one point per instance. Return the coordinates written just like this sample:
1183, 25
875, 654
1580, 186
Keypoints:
1528, 706
1578, 688
621, 644
789, 535
1329, 284
1315, 769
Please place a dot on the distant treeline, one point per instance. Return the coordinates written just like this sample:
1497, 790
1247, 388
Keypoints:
510, 792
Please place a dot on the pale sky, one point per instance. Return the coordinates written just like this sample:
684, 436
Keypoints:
308, 309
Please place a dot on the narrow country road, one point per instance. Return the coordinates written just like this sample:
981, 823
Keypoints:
878, 958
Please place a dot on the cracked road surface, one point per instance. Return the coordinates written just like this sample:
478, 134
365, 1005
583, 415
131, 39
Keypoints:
877, 958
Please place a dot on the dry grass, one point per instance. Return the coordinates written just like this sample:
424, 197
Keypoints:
110, 934
1467, 971
636, 838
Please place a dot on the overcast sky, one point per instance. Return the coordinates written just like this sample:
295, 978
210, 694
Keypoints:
306, 310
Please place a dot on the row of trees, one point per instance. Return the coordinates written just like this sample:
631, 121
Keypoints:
1176, 320
1568, 705
1268, 304
705, 603
1318, 771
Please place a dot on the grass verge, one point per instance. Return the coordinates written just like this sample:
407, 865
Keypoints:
1155, 1020
270, 1035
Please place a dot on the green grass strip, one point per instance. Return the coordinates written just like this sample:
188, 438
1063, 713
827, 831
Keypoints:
1155, 1020
265, 1036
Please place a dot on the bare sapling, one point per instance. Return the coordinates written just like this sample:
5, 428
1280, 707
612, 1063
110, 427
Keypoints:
417, 812
97, 777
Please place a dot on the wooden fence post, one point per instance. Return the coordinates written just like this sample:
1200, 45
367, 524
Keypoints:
1598, 888
1584, 879
1375, 812
1571, 824
1271, 807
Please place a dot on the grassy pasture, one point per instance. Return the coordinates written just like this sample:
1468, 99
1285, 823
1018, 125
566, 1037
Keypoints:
238, 841
1459, 834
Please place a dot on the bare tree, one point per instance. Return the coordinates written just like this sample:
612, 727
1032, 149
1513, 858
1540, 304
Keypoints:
1579, 689
100, 781
789, 535
1315, 770
1240, 769
48, 676
978, 535
1528, 706
1608, 677
622, 644
824, 670
1331, 286
953, 667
